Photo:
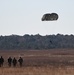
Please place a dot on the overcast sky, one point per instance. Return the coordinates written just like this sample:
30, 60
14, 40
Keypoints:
22, 17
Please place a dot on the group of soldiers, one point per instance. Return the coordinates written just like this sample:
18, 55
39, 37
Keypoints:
11, 61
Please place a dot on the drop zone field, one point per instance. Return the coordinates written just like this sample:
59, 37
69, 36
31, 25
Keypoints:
40, 62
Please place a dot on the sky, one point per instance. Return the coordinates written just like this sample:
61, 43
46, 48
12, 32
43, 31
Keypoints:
20, 17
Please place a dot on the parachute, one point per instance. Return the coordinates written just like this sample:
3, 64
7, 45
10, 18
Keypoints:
50, 17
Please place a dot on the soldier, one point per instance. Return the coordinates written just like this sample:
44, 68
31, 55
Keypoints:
9, 61
20, 61
1, 61
14, 62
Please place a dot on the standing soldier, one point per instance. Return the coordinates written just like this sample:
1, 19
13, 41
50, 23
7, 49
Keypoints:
14, 62
9, 61
20, 61
1, 61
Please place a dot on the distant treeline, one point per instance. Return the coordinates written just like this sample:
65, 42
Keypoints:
36, 42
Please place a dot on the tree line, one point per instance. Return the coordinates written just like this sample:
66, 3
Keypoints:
36, 42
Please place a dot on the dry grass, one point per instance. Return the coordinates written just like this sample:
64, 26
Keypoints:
44, 62
38, 71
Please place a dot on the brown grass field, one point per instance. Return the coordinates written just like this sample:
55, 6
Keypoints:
40, 62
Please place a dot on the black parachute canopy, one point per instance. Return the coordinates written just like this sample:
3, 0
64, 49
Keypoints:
50, 17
